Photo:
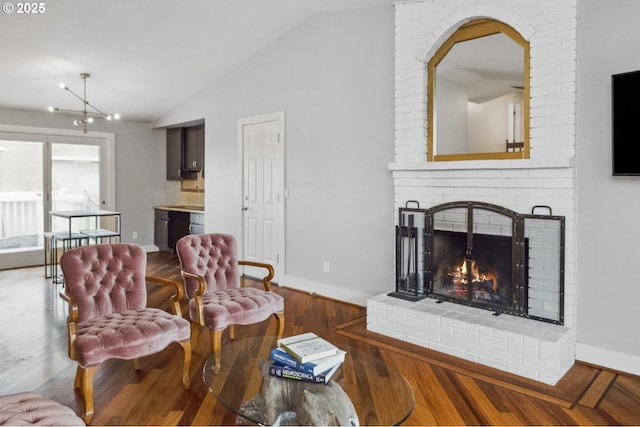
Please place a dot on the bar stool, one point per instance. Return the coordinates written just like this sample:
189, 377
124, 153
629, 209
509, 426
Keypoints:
52, 241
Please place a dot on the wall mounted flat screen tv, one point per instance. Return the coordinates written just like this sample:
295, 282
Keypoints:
625, 96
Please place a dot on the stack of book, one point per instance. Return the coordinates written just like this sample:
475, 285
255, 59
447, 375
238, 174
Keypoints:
306, 357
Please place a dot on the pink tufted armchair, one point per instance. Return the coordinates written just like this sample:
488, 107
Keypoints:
29, 408
105, 286
216, 298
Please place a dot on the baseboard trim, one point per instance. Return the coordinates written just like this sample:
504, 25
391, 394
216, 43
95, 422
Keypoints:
611, 359
324, 289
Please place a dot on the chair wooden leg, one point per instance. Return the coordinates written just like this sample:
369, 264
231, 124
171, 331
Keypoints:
86, 379
279, 323
216, 344
195, 334
186, 362
136, 364
77, 382
232, 332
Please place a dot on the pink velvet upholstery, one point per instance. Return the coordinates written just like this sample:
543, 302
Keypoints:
105, 279
105, 285
128, 335
212, 282
243, 306
212, 256
30, 408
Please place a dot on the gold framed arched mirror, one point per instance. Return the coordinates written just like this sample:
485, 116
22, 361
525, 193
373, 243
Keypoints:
478, 94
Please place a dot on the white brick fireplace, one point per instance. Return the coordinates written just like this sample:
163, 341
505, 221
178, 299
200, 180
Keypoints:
526, 347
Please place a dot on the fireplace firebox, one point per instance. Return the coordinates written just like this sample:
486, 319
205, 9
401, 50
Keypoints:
482, 255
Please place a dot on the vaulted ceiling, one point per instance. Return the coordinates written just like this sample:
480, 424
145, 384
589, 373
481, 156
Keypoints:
144, 57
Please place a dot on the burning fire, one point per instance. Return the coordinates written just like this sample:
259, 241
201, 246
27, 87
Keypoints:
484, 284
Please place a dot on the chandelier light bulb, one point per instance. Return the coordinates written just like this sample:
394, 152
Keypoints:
88, 110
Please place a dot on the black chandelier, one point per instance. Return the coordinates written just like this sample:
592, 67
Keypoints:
87, 116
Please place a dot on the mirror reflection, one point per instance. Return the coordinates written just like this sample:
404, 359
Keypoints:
479, 95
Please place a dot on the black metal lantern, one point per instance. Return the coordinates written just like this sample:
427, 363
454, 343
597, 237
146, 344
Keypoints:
410, 254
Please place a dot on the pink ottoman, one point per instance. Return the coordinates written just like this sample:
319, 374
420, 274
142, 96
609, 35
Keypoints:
30, 408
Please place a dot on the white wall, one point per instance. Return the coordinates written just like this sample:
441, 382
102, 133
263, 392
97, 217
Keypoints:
489, 139
608, 207
140, 166
333, 77
451, 104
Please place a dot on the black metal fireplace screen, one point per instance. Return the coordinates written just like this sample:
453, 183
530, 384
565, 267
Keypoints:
482, 255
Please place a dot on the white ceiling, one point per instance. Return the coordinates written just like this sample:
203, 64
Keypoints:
144, 57
490, 67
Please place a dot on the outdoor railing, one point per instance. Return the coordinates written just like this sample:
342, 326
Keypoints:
22, 216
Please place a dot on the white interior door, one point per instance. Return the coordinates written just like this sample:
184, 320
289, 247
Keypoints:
262, 191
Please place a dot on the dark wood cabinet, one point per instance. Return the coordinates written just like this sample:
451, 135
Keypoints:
169, 227
175, 153
185, 152
194, 148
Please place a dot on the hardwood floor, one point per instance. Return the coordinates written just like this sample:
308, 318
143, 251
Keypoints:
448, 391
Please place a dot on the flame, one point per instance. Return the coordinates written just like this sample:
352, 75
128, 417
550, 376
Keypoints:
460, 275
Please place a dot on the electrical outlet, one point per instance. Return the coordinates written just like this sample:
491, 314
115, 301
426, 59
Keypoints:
135, 235
326, 267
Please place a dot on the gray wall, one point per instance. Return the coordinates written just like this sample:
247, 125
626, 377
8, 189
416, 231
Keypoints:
333, 77
140, 166
608, 207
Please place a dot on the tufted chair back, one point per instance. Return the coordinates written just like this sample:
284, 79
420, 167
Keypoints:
106, 278
212, 256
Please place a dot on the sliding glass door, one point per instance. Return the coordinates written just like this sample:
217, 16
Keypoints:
41, 173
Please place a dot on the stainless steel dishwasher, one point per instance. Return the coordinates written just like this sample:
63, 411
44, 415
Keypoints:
196, 223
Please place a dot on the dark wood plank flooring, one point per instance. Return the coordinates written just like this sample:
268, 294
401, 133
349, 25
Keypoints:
448, 391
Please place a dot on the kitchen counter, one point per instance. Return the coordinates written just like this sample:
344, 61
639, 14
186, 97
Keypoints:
172, 222
181, 208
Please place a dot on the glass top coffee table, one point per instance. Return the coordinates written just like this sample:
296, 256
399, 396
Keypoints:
379, 395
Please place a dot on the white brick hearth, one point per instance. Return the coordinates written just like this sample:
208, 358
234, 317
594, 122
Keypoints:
532, 349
